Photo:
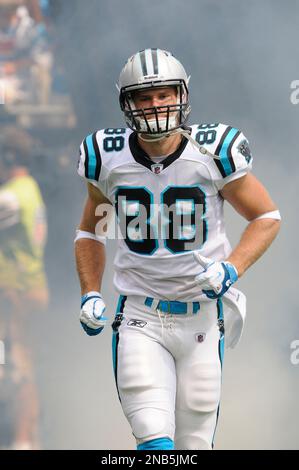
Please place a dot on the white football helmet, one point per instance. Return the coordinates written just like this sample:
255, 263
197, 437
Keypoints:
148, 69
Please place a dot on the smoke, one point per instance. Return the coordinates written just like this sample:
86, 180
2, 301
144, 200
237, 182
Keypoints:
241, 57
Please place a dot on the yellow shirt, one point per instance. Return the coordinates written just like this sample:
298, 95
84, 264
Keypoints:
23, 230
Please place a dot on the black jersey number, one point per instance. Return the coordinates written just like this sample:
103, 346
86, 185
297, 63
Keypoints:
115, 142
183, 210
206, 134
178, 220
134, 209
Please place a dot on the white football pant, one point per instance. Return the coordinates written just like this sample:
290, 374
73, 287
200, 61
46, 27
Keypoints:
168, 371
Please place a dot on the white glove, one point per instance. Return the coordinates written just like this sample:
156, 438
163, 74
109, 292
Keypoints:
91, 316
216, 277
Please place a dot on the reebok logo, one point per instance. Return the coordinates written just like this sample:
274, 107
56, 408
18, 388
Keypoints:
138, 323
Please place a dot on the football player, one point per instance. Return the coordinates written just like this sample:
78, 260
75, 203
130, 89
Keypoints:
174, 266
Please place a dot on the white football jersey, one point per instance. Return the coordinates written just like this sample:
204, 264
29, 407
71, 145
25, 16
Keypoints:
165, 210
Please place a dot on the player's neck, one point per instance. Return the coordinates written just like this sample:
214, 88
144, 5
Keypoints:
165, 146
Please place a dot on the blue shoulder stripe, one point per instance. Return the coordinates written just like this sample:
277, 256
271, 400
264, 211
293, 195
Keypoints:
226, 165
91, 165
98, 156
93, 158
86, 158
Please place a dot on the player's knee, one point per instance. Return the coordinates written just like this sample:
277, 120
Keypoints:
149, 424
204, 389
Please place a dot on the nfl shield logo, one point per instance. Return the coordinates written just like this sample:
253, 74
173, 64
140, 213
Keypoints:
157, 168
200, 337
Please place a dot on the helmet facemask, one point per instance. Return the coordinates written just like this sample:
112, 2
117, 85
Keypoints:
157, 120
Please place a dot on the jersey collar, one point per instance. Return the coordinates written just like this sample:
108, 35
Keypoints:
141, 156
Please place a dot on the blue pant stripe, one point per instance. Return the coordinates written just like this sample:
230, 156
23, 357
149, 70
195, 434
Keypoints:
220, 318
115, 338
163, 443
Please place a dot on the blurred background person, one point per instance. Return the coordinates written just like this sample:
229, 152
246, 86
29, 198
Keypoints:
26, 57
23, 283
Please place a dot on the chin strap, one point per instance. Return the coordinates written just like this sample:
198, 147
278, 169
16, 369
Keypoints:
186, 134
154, 138
196, 145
